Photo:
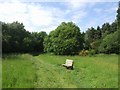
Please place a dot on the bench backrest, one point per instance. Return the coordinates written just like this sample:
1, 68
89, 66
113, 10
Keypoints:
69, 62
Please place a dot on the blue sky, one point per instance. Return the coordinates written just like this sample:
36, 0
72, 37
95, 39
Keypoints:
46, 16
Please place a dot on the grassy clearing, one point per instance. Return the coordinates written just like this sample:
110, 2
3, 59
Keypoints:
45, 70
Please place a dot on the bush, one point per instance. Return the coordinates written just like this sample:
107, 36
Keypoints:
92, 52
83, 52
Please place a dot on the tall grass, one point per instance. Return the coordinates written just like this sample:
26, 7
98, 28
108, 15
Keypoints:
46, 71
18, 71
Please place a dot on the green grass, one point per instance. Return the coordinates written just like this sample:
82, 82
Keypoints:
46, 71
18, 71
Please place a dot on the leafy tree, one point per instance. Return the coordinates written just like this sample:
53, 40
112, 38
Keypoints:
118, 16
93, 38
105, 29
48, 42
66, 39
12, 36
27, 44
98, 34
95, 45
16, 39
37, 41
113, 27
90, 35
110, 44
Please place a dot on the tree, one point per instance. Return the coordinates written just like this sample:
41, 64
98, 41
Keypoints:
95, 45
105, 29
16, 39
110, 44
97, 34
37, 41
113, 27
118, 16
66, 39
12, 36
89, 37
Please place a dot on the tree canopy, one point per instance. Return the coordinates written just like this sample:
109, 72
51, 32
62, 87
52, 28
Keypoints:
118, 15
16, 39
64, 40
110, 44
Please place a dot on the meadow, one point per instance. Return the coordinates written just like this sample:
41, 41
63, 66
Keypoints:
46, 71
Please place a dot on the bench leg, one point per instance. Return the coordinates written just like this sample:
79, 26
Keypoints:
70, 67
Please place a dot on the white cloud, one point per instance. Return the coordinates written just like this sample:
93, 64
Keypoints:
12, 8
33, 16
74, 5
49, 28
10, 12
37, 17
79, 9
78, 16
59, 0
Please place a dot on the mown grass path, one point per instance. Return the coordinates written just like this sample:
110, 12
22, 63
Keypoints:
50, 75
46, 71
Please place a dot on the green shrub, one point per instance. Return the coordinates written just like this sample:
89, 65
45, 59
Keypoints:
92, 52
95, 45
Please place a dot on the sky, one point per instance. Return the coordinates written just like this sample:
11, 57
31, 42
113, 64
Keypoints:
46, 15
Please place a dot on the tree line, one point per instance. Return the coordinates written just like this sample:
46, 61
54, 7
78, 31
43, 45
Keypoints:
16, 39
66, 39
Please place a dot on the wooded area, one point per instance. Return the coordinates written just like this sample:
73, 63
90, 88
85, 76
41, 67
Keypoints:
66, 39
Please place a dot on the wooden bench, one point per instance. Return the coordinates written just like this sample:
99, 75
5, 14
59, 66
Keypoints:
68, 64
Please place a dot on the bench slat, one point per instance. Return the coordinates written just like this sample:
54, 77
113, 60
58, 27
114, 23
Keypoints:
68, 63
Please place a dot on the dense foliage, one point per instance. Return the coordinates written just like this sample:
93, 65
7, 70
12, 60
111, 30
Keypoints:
64, 40
16, 39
94, 37
118, 16
110, 44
